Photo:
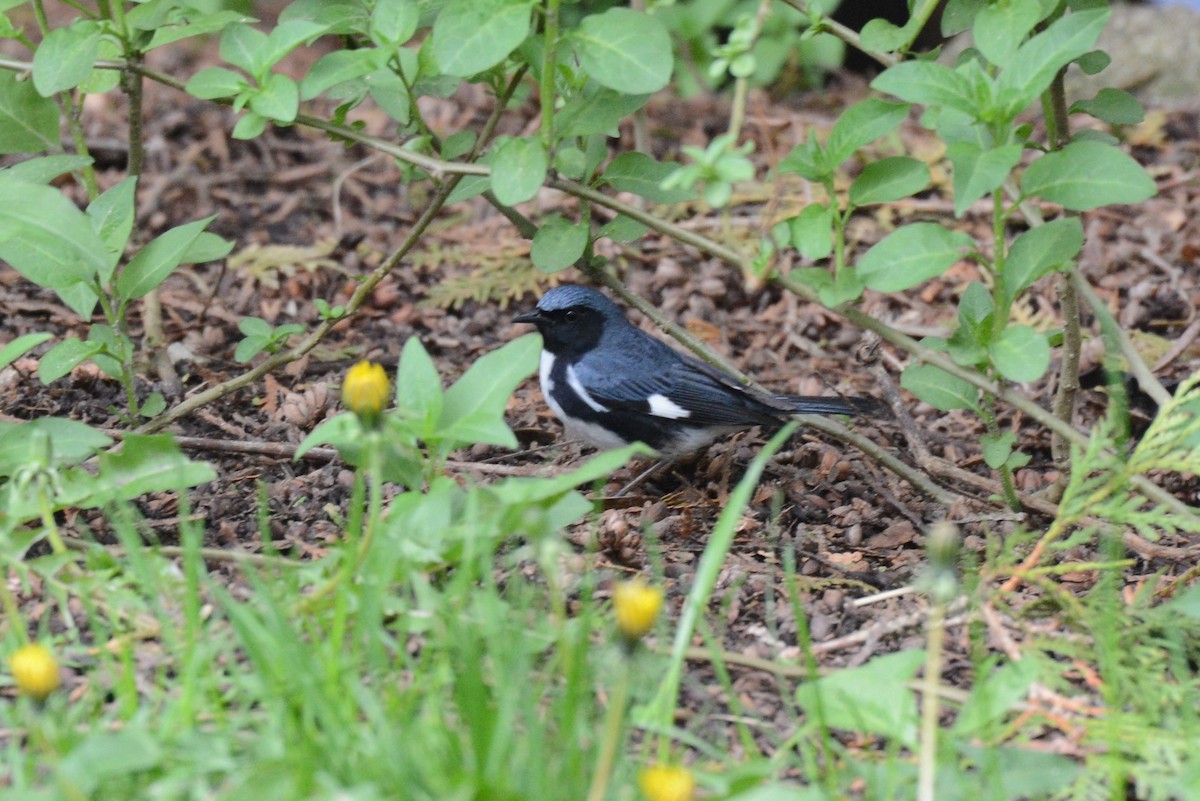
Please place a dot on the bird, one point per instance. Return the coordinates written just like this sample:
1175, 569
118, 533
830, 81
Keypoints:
612, 384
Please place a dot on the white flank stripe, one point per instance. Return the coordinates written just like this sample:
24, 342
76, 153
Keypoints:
545, 367
574, 383
662, 406
544, 370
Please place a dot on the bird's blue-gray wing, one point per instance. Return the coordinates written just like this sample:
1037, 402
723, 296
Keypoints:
678, 390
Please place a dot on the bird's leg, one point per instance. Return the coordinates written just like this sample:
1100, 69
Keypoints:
645, 474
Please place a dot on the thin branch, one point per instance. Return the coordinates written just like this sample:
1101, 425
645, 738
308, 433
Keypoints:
176, 551
1145, 378
847, 35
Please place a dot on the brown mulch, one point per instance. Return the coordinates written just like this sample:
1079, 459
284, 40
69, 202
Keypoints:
851, 528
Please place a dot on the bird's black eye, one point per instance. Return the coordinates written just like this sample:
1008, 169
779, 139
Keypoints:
570, 315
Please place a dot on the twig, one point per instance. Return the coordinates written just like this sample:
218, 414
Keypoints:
283, 450
893, 625
1068, 372
1145, 378
789, 671
847, 35
883, 596
1179, 346
175, 551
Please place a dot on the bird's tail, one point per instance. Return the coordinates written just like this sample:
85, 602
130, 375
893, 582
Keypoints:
822, 404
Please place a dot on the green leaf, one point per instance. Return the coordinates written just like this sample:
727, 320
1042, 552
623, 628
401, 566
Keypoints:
471, 36
101, 757
642, 175
811, 231
595, 110
888, 180
832, 290
45, 238
20, 346
976, 308
1114, 106
1186, 603
870, 699
65, 57
70, 442
101, 81
911, 255
250, 347
147, 464
278, 99
517, 492
1025, 773
65, 357
389, 91
1040, 251
622, 229
418, 385
996, 695
1085, 175
558, 244
111, 216
938, 388
1094, 62
1021, 354
154, 262
200, 25
929, 84
625, 50
244, 47
861, 124
810, 161
1001, 27
518, 170
571, 162
959, 15
393, 22
881, 36
207, 247
44, 169
340, 17
28, 121
286, 37
468, 187
214, 82
978, 170
80, 298
338, 67
249, 125
474, 406
996, 449
1038, 60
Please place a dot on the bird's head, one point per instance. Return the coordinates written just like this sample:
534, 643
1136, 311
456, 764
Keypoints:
571, 319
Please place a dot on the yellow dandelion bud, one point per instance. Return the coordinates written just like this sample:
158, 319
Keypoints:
35, 670
636, 605
366, 390
666, 783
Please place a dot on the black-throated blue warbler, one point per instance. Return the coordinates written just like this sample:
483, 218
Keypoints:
612, 384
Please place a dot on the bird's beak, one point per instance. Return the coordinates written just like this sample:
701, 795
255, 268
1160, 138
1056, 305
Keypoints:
531, 317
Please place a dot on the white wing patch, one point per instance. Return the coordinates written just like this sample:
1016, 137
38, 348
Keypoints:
662, 406
574, 383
